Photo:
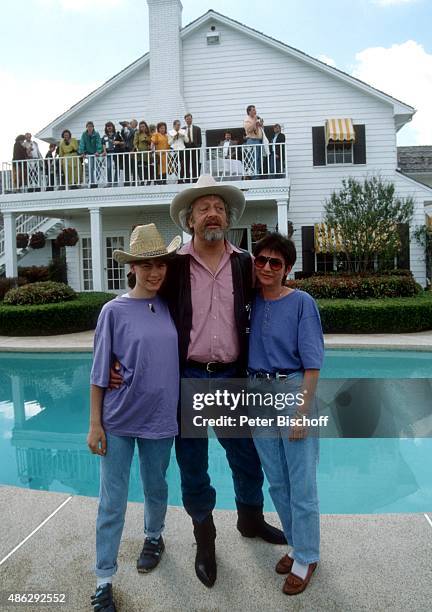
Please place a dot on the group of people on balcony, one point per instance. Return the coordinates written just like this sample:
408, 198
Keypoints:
143, 153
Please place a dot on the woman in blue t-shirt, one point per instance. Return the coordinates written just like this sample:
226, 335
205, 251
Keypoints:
286, 351
137, 331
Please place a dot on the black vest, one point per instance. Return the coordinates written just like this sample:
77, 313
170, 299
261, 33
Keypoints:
177, 291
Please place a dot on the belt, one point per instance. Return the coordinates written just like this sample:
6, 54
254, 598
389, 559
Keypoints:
280, 375
211, 366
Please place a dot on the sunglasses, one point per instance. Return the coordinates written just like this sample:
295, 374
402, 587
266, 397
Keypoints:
275, 263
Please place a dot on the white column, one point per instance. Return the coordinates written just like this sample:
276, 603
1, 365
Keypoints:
282, 210
10, 244
18, 401
97, 248
186, 237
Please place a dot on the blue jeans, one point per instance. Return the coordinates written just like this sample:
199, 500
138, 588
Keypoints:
199, 497
290, 467
258, 156
154, 456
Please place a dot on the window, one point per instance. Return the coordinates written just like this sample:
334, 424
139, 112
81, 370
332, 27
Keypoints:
87, 270
339, 153
116, 275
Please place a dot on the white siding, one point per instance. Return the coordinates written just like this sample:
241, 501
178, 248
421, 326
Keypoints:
126, 100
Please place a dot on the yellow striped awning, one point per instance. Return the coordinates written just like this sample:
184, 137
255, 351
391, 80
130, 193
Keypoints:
327, 239
339, 130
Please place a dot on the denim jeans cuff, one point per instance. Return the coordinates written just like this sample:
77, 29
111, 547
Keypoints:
105, 573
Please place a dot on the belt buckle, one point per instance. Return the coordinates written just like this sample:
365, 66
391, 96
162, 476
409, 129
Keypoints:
281, 376
208, 368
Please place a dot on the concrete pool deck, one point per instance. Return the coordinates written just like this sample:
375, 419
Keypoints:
369, 562
83, 342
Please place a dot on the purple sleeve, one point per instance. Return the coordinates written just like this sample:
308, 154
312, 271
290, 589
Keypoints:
310, 336
102, 350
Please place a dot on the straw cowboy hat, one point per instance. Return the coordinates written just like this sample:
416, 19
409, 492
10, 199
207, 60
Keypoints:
206, 185
146, 243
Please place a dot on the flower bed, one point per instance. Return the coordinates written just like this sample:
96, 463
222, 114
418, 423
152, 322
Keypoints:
358, 287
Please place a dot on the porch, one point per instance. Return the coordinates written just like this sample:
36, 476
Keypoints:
104, 213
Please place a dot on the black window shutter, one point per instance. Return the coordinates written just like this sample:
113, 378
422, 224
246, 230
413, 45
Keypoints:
359, 149
403, 257
308, 248
318, 146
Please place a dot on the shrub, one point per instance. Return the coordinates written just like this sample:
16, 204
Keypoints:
37, 240
388, 315
67, 237
39, 293
57, 270
357, 287
34, 274
22, 241
78, 314
6, 284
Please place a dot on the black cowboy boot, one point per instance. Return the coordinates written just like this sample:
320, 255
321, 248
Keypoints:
251, 524
205, 560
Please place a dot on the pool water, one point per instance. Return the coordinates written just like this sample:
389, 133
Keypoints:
44, 408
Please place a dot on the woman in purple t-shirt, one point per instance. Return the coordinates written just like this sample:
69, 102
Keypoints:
137, 331
286, 351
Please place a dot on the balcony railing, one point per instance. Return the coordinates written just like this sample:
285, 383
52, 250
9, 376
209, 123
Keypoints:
240, 162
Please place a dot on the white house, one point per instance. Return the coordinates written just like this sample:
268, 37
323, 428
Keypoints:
214, 67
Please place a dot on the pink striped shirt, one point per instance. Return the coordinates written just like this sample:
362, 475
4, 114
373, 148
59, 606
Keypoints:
214, 333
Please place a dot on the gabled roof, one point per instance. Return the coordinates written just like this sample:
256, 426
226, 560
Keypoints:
404, 111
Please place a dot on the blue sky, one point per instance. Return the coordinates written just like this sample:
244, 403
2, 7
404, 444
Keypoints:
53, 52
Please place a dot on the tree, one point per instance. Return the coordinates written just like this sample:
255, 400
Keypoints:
364, 218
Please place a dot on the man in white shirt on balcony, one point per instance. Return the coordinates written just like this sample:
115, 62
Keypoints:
34, 168
177, 139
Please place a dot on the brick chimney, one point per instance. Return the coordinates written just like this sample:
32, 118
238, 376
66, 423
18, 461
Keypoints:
166, 68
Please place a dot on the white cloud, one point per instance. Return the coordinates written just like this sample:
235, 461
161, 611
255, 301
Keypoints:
80, 6
403, 71
327, 60
29, 104
393, 2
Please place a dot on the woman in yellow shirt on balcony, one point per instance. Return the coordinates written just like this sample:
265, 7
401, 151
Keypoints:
71, 163
160, 142
142, 144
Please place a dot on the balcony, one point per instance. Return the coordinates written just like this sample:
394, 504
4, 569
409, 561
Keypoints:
36, 194
164, 169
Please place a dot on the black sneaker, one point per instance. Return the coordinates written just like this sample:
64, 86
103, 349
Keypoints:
102, 600
150, 554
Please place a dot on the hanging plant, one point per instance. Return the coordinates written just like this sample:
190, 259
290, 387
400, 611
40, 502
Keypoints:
67, 237
258, 231
37, 240
22, 241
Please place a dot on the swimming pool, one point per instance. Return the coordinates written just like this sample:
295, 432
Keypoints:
44, 407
